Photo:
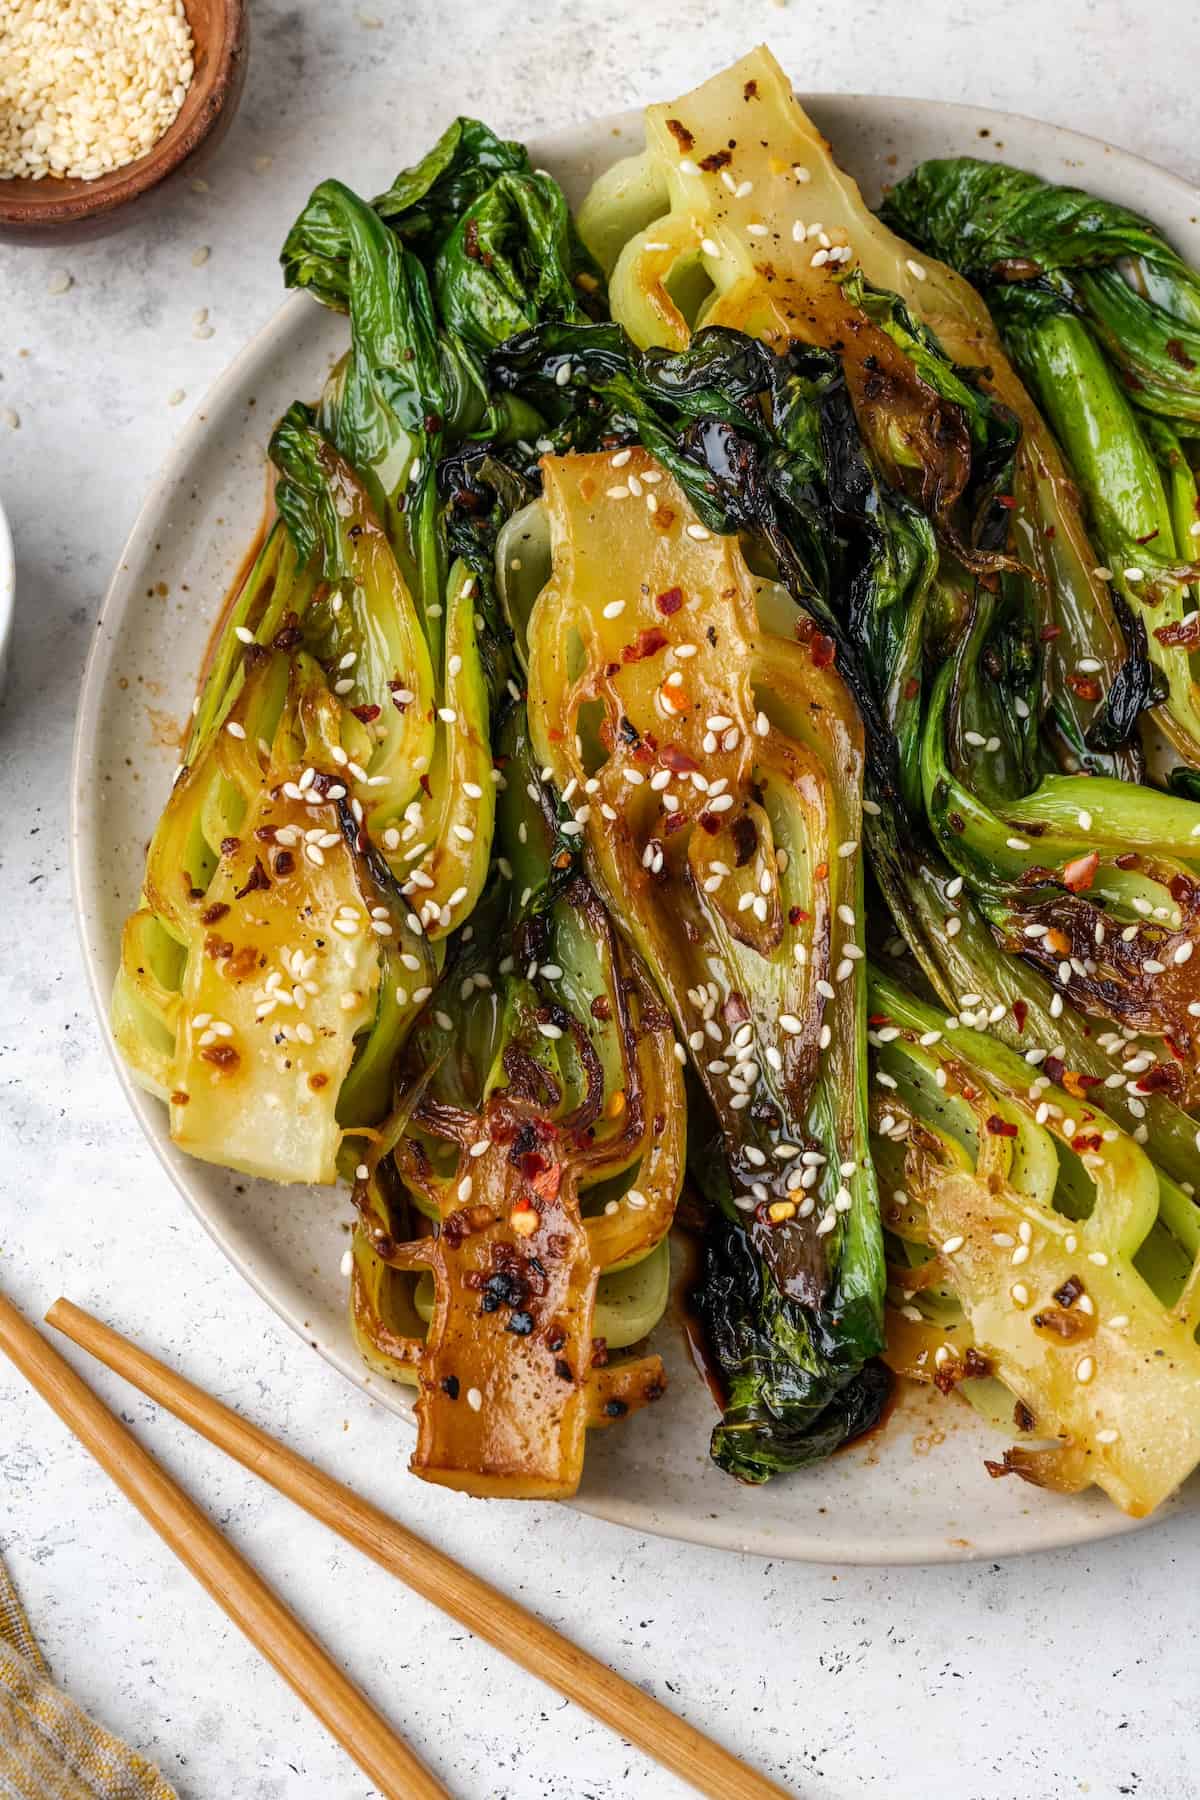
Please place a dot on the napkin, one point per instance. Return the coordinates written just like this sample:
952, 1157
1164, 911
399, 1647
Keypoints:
49, 1749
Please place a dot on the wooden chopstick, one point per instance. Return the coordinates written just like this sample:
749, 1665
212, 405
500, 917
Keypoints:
233, 1584
483, 1609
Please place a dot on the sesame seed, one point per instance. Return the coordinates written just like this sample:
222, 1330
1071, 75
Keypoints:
474, 1399
234, 729
1085, 1368
562, 374
952, 1244
709, 247
1019, 1293
915, 269
1107, 1436
699, 533
1134, 574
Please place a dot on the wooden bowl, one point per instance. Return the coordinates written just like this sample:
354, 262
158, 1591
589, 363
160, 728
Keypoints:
60, 208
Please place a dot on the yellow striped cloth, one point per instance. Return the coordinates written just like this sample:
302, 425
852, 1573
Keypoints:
49, 1749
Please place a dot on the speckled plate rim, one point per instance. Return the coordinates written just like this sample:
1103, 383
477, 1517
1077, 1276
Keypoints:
1029, 142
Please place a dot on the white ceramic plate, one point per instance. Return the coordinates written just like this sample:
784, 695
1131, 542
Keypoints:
916, 1491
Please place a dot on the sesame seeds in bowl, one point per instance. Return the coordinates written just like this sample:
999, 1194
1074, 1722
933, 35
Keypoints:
102, 100
88, 85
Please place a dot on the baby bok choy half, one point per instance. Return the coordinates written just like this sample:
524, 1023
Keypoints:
1102, 317
716, 781
514, 1207
1036, 1256
258, 980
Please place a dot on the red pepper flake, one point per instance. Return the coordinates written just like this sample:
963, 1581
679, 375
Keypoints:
546, 1184
646, 643
999, 1127
673, 822
366, 713
1160, 1076
556, 736
717, 160
212, 913
798, 916
876, 1019
1181, 634
1086, 686
1048, 633
1006, 501
1085, 1140
711, 822
222, 1056
257, 878
1173, 1047
912, 688
677, 760
1128, 859
821, 872
679, 131
1055, 1068
1080, 874
823, 651
1020, 1013
669, 601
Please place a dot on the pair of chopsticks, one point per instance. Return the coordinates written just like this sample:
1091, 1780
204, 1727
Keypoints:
275, 1630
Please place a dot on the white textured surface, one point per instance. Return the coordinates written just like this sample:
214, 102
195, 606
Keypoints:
1056, 1676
